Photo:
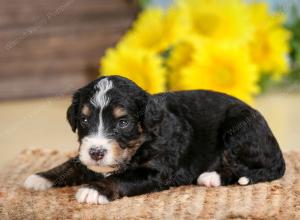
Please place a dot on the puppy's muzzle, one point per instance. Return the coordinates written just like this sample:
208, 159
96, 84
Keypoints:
97, 152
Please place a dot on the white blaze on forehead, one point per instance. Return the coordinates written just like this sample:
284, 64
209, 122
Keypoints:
101, 100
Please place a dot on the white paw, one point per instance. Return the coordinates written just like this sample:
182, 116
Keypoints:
90, 196
37, 182
243, 181
209, 179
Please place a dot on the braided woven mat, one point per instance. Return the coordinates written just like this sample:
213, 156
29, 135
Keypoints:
276, 200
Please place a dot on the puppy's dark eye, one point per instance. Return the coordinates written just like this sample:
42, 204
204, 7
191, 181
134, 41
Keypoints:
123, 123
84, 121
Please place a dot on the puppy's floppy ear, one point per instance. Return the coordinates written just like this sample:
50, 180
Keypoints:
153, 111
141, 102
154, 114
161, 120
72, 112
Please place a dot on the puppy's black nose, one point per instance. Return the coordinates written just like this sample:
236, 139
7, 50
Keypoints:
97, 153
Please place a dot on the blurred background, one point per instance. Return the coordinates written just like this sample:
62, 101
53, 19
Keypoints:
249, 49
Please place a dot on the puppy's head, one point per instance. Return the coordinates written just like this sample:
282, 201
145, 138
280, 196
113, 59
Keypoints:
108, 115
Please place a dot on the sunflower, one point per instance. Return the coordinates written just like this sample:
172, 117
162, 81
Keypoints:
181, 56
270, 46
218, 45
223, 68
220, 20
141, 66
155, 30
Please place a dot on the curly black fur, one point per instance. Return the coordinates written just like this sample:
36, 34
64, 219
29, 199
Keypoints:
185, 134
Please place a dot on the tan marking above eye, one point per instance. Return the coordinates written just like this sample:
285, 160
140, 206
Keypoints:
86, 110
119, 112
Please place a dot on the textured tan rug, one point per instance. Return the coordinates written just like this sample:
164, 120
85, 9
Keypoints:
276, 200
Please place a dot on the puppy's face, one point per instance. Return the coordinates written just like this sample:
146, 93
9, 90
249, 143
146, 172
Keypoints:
108, 117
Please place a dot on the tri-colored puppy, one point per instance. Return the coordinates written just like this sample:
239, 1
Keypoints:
133, 143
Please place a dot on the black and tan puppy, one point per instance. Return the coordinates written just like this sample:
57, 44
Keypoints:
133, 143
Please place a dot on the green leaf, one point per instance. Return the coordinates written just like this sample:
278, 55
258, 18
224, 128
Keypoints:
144, 3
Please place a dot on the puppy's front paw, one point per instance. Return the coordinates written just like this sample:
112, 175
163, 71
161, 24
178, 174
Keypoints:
209, 179
90, 196
37, 182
